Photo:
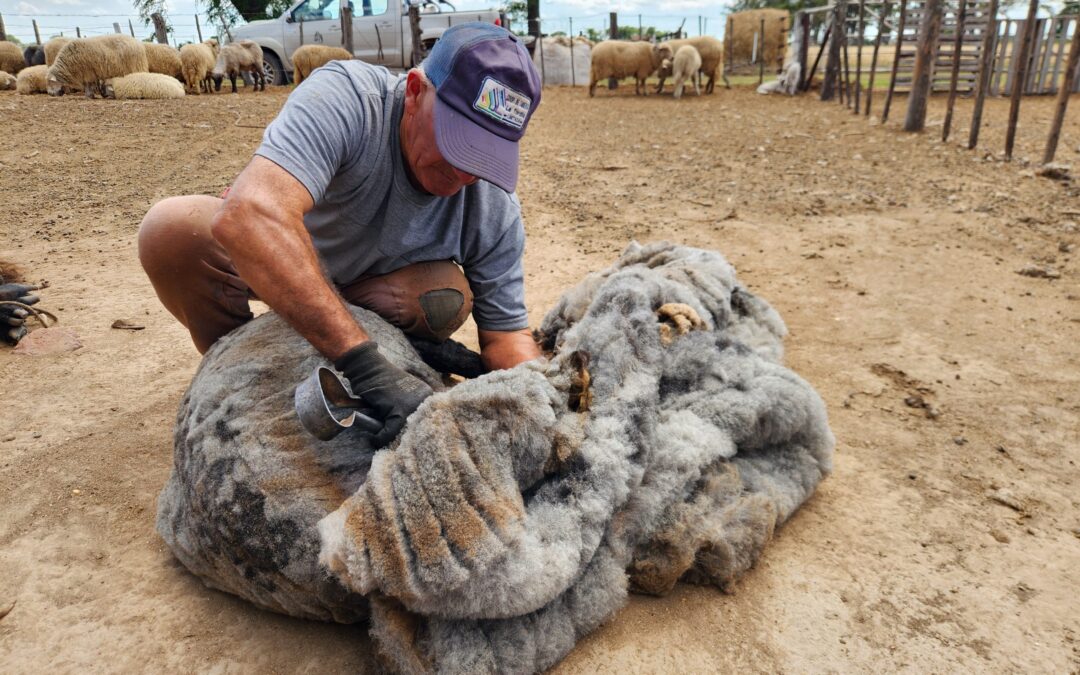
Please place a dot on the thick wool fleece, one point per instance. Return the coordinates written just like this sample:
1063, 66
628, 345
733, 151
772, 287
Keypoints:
517, 509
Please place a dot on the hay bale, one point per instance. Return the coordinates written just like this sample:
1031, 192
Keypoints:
739, 41
554, 65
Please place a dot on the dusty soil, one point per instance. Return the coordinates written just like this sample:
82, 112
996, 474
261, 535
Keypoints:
892, 257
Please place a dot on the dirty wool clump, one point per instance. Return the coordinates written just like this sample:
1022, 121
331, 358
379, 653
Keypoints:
661, 441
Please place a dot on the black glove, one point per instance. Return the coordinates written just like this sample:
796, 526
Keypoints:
389, 390
12, 318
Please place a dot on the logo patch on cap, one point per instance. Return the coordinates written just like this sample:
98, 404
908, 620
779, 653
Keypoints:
503, 103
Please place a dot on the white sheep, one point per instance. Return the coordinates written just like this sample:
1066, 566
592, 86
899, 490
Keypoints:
787, 83
239, 57
144, 85
686, 64
7, 80
88, 62
31, 80
712, 58
11, 57
622, 58
309, 57
196, 62
52, 48
163, 59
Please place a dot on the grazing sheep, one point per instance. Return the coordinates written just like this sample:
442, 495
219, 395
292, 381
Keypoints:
622, 58
7, 80
240, 57
32, 80
11, 57
52, 48
309, 57
34, 55
196, 62
144, 85
88, 62
686, 64
163, 59
712, 56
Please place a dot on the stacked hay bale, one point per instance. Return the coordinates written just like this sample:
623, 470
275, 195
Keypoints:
739, 40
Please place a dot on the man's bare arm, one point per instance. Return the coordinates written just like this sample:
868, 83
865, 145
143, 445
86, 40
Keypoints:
261, 225
506, 349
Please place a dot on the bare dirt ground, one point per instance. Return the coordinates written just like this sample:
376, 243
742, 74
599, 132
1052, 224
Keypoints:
892, 257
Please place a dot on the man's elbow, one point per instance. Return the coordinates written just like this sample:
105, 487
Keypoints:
229, 224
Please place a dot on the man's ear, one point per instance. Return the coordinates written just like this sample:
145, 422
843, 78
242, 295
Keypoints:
414, 87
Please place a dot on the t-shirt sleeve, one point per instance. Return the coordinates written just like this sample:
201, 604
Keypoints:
497, 279
320, 129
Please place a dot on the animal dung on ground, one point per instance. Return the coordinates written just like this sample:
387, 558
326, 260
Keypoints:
662, 440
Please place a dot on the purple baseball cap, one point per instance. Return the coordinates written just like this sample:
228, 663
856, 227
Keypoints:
486, 90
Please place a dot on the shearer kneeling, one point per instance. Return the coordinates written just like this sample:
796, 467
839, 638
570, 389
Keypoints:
386, 182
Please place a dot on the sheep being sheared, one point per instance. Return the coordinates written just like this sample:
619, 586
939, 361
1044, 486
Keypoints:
622, 58
87, 63
196, 62
662, 440
236, 58
309, 57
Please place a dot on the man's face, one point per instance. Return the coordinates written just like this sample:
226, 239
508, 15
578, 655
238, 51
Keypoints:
434, 174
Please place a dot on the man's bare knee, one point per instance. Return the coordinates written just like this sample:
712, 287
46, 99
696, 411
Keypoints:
174, 226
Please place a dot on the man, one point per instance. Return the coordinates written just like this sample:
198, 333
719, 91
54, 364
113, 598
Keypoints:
385, 182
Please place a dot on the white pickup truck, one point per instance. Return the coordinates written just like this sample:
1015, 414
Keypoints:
381, 31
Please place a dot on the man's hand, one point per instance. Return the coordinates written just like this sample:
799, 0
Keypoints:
393, 393
505, 349
12, 317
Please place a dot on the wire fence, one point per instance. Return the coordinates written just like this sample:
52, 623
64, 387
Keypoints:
631, 25
183, 27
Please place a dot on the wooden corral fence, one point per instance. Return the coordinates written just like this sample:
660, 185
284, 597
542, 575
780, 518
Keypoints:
954, 46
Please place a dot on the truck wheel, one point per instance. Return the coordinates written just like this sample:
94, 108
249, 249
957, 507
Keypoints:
275, 74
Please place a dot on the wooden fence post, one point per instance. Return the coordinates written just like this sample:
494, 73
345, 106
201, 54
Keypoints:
3, 31
116, 28
37, 33
1021, 78
613, 33
415, 32
832, 65
78, 32
925, 56
198, 28
858, 56
346, 26
802, 24
845, 91
873, 61
986, 70
761, 53
131, 28
159, 28
1063, 95
896, 61
958, 44
573, 75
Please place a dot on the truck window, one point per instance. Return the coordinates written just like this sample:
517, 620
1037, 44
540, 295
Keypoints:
372, 7
317, 10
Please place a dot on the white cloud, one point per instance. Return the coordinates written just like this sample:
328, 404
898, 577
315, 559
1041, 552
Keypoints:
26, 8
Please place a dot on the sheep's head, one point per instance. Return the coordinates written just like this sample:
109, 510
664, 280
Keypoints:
662, 52
217, 77
107, 90
53, 85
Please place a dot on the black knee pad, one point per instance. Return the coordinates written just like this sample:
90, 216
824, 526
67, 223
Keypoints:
441, 307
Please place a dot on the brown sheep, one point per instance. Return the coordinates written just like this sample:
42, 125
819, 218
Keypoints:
623, 58
163, 59
712, 56
88, 62
196, 62
11, 57
53, 47
240, 57
309, 57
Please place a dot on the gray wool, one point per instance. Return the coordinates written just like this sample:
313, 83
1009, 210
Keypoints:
508, 520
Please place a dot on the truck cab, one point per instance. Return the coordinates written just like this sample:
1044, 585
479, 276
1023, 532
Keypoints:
381, 31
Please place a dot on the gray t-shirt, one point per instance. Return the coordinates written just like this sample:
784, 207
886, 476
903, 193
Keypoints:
338, 135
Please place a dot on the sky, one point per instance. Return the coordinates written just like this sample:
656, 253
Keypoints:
95, 17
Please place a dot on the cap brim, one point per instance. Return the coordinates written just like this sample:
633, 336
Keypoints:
475, 150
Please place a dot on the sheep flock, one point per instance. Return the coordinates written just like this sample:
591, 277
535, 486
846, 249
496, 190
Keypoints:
118, 66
